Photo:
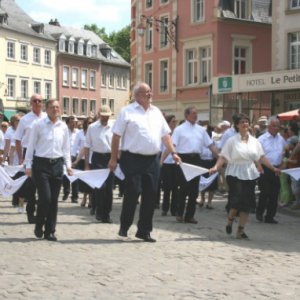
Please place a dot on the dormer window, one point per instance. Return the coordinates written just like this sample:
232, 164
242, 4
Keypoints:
39, 28
62, 44
80, 47
105, 51
94, 51
88, 51
71, 45
4, 19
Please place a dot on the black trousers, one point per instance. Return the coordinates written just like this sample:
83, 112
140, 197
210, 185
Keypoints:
141, 178
269, 186
67, 186
47, 175
30, 191
170, 187
240, 194
188, 189
102, 198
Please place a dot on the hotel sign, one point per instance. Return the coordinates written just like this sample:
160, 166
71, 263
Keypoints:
269, 81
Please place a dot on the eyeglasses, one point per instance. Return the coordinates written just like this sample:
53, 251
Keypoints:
3, 126
37, 101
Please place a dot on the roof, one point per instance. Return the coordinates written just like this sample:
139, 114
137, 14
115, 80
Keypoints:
79, 33
19, 21
261, 10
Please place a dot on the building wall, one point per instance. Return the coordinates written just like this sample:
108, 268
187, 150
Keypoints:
15, 68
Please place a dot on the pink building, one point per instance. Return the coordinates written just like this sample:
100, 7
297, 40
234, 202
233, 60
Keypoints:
184, 44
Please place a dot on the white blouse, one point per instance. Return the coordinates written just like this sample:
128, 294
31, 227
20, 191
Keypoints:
241, 157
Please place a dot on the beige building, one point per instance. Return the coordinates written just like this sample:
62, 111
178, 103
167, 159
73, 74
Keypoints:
27, 59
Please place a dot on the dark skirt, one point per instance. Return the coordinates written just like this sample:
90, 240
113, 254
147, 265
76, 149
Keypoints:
209, 164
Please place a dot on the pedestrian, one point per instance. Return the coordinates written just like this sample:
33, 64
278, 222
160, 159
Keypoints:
189, 138
71, 122
98, 141
273, 145
48, 150
22, 142
141, 128
243, 154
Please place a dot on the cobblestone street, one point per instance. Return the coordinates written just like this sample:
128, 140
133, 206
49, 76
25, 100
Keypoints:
187, 262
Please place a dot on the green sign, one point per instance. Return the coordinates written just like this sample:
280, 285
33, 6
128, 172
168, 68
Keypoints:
224, 84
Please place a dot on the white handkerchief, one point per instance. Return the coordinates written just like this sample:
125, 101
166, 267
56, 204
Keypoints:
13, 170
118, 172
9, 186
73, 177
295, 172
192, 171
94, 178
206, 182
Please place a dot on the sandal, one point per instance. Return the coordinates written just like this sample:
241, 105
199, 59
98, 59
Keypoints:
229, 226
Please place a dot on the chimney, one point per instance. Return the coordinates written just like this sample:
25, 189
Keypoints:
53, 22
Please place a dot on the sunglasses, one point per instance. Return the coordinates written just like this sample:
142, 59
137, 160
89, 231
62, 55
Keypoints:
3, 126
37, 101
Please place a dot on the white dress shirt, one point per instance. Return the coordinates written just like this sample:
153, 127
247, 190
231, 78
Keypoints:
241, 157
141, 130
10, 135
25, 124
79, 142
48, 140
226, 135
98, 138
72, 136
273, 147
190, 138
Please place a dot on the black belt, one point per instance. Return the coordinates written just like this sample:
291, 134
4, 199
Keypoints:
190, 154
102, 154
50, 161
138, 154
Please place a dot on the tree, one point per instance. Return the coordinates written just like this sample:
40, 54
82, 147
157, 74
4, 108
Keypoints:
118, 40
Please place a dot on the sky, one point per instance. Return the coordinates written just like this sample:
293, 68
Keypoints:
113, 15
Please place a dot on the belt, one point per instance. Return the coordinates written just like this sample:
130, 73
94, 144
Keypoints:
190, 154
138, 154
50, 161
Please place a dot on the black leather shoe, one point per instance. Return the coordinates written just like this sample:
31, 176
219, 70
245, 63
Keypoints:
74, 200
107, 220
51, 237
146, 237
65, 197
271, 221
31, 219
38, 232
122, 232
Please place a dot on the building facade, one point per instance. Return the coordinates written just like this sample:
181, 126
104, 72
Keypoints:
27, 59
187, 43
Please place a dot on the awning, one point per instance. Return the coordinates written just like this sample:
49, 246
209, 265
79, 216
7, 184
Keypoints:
8, 113
289, 115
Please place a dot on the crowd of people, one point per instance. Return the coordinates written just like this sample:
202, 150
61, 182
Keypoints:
149, 148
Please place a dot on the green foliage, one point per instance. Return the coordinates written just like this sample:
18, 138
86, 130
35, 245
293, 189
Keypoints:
118, 40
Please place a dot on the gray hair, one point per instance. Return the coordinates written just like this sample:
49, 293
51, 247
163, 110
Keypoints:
273, 119
188, 110
136, 88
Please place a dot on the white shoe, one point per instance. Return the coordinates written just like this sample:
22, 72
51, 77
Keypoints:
20, 209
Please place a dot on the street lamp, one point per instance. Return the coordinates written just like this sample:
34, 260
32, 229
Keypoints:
163, 25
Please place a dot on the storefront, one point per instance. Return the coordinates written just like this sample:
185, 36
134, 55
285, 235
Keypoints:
254, 94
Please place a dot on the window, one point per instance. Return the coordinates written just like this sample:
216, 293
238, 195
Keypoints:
75, 106
205, 65
48, 90
148, 74
37, 55
111, 80
74, 77
24, 88
94, 51
84, 79
66, 105
198, 10
112, 105
294, 3
10, 50
164, 32
103, 79
24, 52
71, 47
191, 67
163, 75
47, 57
124, 82
119, 81
103, 101
164, 1
93, 106
240, 60
37, 87
149, 37
61, 45
88, 49
92, 80
148, 3
80, 47
66, 76
294, 50
83, 106
11, 87
241, 9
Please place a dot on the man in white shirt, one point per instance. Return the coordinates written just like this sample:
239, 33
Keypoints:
142, 128
22, 142
273, 145
189, 138
71, 122
48, 150
98, 141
